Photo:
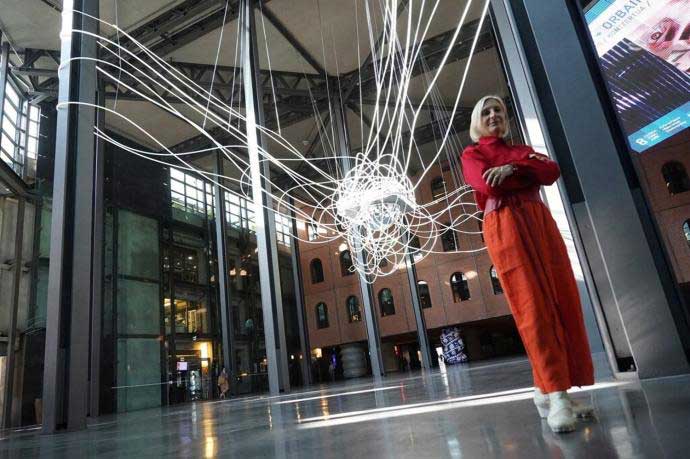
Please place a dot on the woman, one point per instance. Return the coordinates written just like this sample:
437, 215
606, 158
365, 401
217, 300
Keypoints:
223, 383
530, 258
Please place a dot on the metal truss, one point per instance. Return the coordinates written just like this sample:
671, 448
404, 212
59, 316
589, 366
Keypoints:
296, 91
40, 83
167, 32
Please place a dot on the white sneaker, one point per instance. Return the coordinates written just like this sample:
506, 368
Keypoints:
541, 401
561, 418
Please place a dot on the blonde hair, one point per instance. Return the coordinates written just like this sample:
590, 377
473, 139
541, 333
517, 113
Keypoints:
476, 119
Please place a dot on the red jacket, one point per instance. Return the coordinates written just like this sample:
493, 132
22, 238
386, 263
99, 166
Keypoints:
524, 183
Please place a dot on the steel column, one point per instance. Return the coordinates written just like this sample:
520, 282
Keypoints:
98, 242
271, 298
418, 312
373, 338
82, 255
53, 371
14, 307
70, 276
226, 319
305, 364
4, 66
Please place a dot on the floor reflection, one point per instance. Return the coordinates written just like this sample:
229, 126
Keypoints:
463, 412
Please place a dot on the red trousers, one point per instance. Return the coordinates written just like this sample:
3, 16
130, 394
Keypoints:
532, 263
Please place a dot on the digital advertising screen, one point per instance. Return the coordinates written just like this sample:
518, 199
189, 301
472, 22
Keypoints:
644, 52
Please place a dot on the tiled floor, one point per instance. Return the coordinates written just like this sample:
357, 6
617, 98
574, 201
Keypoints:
471, 412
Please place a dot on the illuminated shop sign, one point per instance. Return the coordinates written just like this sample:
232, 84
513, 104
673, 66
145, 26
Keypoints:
644, 49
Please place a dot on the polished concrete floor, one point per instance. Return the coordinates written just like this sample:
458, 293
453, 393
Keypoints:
484, 410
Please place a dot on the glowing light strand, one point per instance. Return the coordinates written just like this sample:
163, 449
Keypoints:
375, 205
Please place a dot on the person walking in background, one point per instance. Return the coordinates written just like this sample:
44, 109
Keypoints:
531, 260
223, 383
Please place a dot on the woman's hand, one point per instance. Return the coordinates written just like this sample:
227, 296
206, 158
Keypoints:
538, 157
496, 175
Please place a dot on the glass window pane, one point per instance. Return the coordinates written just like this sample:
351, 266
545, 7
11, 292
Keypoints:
11, 94
32, 149
9, 128
6, 157
177, 197
177, 186
190, 180
7, 144
11, 111
34, 114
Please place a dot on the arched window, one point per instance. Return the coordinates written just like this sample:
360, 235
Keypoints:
316, 269
438, 187
450, 244
676, 177
460, 287
686, 231
346, 263
354, 314
495, 283
424, 295
321, 315
386, 302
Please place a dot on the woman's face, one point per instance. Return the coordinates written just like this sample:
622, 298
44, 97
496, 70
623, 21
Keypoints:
493, 119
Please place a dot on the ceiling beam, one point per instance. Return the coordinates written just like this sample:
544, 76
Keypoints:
435, 130
12, 181
284, 84
353, 82
432, 51
54, 4
161, 25
29, 71
409, 104
197, 29
285, 32
357, 111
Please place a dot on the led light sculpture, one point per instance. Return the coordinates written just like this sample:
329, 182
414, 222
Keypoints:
374, 205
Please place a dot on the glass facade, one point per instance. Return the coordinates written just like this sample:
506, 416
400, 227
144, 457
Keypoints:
20, 132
